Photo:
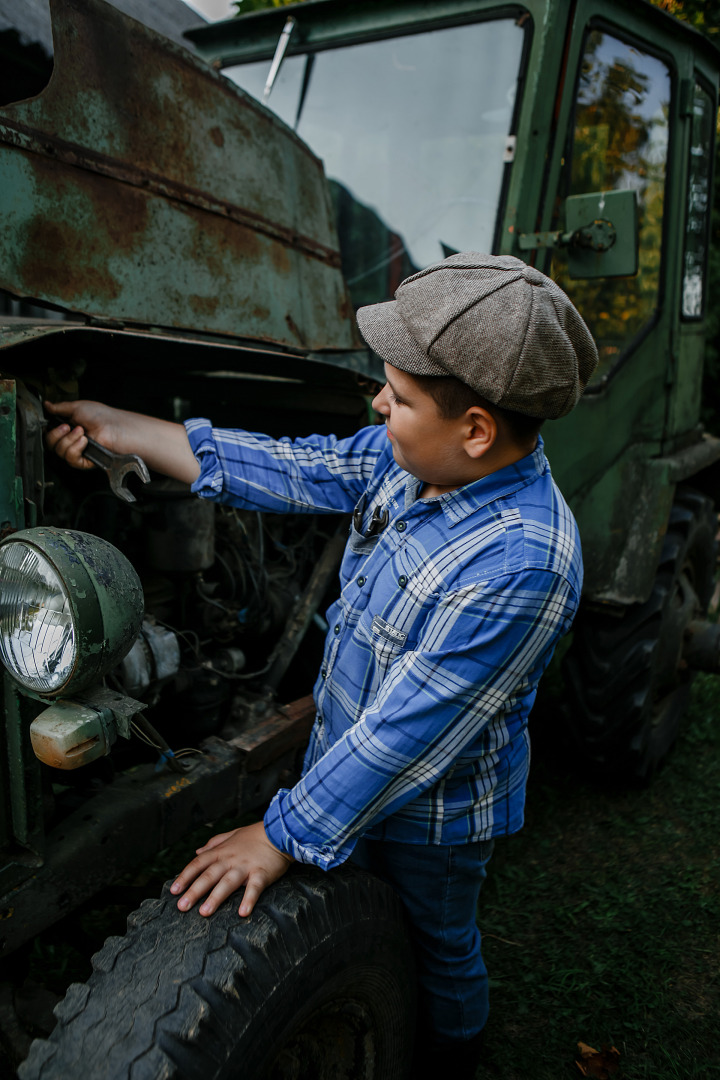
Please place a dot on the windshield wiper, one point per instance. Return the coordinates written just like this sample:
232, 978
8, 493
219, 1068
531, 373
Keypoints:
277, 60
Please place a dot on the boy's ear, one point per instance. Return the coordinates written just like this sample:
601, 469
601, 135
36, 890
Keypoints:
481, 431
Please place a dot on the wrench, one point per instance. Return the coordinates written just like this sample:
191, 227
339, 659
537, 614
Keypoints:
117, 466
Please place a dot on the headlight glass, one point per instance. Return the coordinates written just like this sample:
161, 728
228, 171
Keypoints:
38, 638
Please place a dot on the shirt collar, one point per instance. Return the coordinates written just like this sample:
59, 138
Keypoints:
460, 503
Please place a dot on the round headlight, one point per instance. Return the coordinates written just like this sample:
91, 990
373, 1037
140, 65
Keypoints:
71, 606
38, 639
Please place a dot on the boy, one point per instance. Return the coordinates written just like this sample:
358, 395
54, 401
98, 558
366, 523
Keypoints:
461, 573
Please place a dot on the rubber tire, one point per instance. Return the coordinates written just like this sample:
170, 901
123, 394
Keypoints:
317, 983
626, 687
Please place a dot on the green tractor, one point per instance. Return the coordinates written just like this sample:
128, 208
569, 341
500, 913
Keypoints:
188, 233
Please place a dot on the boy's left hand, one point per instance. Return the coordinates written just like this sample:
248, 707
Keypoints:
244, 856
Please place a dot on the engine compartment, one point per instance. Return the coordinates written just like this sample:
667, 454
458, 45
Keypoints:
233, 598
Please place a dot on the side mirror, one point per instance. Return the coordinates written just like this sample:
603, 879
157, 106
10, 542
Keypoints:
603, 230
601, 235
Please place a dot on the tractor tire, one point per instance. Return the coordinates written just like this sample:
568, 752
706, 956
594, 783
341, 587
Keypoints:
317, 984
626, 684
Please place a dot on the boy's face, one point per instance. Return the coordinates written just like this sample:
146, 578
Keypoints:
424, 443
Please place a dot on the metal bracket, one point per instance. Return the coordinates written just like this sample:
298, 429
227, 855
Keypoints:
598, 235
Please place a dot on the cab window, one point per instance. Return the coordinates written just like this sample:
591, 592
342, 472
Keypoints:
619, 141
698, 205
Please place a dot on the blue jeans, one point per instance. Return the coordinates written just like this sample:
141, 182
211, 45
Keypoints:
439, 887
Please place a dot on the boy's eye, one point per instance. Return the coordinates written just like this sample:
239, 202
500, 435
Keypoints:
396, 400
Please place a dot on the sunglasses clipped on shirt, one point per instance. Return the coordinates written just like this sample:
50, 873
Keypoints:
378, 521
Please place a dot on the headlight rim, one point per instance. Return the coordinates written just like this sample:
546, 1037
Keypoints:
90, 570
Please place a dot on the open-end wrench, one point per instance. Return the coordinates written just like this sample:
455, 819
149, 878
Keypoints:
117, 466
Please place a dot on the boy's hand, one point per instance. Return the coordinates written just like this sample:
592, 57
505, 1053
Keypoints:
242, 857
80, 419
162, 444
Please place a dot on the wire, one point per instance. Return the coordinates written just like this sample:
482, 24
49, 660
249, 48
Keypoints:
164, 751
196, 648
238, 675
209, 600
229, 573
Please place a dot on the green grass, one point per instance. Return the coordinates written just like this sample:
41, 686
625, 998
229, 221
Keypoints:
602, 918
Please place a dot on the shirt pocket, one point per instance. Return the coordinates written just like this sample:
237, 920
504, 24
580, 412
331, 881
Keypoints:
384, 640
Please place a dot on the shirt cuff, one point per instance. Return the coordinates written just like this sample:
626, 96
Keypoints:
210, 482
322, 855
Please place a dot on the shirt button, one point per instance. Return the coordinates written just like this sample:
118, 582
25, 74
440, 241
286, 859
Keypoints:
337, 628
400, 526
402, 581
361, 581
323, 673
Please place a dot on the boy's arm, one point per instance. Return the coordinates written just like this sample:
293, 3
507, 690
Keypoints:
318, 473
311, 474
162, 445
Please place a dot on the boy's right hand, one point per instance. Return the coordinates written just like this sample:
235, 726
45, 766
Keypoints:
80, 419
162, 444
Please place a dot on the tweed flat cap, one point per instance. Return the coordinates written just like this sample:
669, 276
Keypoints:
492, 321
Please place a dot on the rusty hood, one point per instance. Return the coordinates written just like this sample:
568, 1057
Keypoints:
142, 188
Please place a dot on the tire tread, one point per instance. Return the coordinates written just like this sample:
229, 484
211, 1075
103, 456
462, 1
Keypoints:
171, 998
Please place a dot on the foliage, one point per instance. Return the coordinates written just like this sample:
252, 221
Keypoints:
704, 15
244, 6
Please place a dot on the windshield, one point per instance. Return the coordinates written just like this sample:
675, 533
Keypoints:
413, 133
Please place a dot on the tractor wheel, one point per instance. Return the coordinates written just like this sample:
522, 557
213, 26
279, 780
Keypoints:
626, 684
317, 984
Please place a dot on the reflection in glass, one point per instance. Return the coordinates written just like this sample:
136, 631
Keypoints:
620, 141
698, 205
412, 131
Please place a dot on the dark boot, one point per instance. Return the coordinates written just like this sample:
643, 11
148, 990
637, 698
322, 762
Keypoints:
457, 1060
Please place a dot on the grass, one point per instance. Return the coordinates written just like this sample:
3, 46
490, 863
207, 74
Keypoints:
602, 918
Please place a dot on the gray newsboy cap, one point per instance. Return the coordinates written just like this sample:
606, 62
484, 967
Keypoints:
499, 325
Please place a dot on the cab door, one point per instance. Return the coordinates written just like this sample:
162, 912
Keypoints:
636, 114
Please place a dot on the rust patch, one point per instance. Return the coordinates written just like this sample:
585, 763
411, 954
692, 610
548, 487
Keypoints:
203, 305
101, 217
56, 263
176, 786
65, 249
217, 237
217, 136
241, 128
260, 313
280, 259
295, 329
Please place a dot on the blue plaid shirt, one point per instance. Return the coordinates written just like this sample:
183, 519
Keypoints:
445, 623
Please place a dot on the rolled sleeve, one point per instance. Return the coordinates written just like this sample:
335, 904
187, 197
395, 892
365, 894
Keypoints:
210, 482
325, 856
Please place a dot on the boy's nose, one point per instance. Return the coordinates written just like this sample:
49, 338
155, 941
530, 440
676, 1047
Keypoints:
380, 402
